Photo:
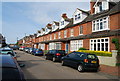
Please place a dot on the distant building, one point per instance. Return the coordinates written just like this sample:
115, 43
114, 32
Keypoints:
2, 41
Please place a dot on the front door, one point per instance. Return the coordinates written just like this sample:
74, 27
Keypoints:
67, 47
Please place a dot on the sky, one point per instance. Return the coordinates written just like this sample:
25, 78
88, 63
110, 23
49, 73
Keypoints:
20, 18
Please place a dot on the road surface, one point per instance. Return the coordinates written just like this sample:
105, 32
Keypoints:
36, 67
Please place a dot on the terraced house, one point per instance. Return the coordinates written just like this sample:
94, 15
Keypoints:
93, 29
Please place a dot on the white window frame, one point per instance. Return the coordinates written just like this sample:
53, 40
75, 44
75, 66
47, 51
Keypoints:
77, 16
65, 33
59, 33
75, 45
53, 27
96, 43
80, 30
71, 32
104, 5
54, 36
62, 23
97, 21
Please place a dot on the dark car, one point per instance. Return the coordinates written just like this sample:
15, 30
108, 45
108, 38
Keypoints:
55, 55
11, 71
30, 50
15, 47
37, 52
81, 61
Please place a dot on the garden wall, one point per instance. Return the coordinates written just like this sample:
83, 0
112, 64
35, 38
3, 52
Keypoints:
110, 61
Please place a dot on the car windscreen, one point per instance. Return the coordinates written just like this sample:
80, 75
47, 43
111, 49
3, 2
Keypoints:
10, 73
7, 52
91, 56
39, 49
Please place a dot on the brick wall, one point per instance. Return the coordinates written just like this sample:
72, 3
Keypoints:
114, 22
86, 43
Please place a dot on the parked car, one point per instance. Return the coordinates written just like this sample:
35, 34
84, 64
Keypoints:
37, 52
26, 49
15, 47
30, 50
81, 61
10, 69
8, 51
21, 48
55, 55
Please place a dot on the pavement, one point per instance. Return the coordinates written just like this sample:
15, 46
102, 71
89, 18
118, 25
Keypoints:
36, 67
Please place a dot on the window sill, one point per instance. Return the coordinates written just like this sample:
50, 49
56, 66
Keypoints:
100, 30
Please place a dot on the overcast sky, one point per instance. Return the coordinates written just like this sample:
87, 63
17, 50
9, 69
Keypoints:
19, 18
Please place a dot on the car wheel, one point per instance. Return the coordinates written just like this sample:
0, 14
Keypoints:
54, 59
63, 64
80, 68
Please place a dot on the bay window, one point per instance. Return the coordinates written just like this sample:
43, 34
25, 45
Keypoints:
75, 45
100, 24
100, 44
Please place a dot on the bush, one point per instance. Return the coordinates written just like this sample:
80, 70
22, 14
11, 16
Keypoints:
98, 53
117, 44
82, 49
45, 51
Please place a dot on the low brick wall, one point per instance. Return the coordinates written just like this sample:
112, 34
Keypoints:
110, 61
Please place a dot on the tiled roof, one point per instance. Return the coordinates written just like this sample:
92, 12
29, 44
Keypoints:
43, 29
56, 23
93, 35
87, 12
113, 10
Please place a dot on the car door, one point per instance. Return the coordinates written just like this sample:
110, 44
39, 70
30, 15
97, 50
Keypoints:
77, 59
69, 59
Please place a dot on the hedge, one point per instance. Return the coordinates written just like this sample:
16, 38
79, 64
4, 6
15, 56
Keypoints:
98, 53
45, 51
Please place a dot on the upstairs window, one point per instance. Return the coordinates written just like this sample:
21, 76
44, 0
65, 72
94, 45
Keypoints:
81, 30
50, 37
100, 24
62, 23
72, 32
77, 17
53, 27
65, 33
59, 35
46, 30
54, 36
100, 6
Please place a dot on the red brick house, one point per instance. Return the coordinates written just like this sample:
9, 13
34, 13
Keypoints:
93, 29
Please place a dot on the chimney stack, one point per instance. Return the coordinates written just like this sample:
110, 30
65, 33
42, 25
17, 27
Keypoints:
64, 15
92, 3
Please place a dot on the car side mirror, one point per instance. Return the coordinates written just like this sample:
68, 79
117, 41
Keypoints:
22, 65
